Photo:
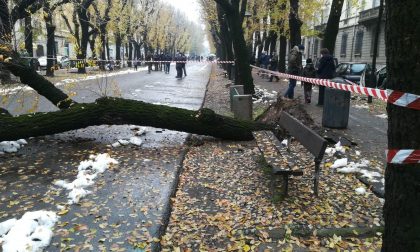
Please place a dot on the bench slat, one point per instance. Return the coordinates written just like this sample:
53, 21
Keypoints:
306, 136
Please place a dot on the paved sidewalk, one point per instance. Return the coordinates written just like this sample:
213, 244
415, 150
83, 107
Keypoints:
224, 201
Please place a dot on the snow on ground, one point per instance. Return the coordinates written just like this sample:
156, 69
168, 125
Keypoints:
135, 140
11, 146
13, 90
337, 148
263, 96
361, 106
88, 171
383, 116
360, 190
353, 167
32, 233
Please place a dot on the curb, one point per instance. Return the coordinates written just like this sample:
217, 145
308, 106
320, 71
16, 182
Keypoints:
155, 247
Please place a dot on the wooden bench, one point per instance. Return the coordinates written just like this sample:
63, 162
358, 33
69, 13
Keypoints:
281, 160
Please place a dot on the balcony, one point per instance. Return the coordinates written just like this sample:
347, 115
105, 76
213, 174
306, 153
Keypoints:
369, 16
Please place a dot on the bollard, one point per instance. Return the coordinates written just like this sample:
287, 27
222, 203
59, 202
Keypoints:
242, 107
235, 90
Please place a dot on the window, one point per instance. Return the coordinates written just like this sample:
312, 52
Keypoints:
357, 69
343, 45
359, 43
375, 3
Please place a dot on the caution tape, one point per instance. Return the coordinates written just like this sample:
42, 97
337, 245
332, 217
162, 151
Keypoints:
147, 61
398, 98
403, 156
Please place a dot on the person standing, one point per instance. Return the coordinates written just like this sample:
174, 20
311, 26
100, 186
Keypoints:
135, 63
273, 67
294, 68
149, 59
178, 66
310, 72
326, 70
184, 59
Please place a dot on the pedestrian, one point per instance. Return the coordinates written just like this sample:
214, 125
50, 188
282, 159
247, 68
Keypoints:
310, 72
135, 62
168, 60
294, 68
149, 59
326, 70
273, 67
184, 62
178, 66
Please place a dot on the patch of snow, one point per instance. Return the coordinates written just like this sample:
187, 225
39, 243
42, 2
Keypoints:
88, 171
358, 153
361, 106
337, 148
136, 141
5, 226
383, 116
284, 142
123, 142
33, 232
340, 163
360, 190
12, 146
116, 145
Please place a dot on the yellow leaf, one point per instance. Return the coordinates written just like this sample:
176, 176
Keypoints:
246, 248
63, 212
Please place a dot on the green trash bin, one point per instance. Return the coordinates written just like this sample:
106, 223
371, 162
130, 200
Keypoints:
336, 107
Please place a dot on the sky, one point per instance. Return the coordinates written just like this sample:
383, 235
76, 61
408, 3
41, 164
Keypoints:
191, 8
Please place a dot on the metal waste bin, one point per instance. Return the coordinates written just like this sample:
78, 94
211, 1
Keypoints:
336, 107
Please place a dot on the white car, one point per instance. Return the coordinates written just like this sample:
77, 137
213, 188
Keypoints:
43, 62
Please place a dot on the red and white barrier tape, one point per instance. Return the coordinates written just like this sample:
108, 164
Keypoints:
403, 156
146, 61
394, 97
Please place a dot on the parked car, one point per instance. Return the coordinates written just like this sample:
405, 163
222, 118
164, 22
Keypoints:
352, 71
63, 61
29, 61
381, 78
43, 62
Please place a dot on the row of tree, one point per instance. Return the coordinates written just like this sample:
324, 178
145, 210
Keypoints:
241, 29
139, 26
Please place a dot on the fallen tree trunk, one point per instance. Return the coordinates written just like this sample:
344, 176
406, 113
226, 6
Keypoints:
12, 62
117, 111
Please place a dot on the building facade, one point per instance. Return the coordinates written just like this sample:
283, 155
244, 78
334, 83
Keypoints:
355, 38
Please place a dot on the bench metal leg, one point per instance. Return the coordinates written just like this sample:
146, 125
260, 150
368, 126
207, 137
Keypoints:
316, 177
286, 184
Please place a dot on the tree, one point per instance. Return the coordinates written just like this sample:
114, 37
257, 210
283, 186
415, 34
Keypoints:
331, 30
294, 23
402, 181
235, 10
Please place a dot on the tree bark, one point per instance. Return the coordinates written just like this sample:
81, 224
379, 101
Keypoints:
118, 42
118, 111
282, 53
295, 23
331, 31
402, 181
29, 36
50, 40
130, 54
41, 85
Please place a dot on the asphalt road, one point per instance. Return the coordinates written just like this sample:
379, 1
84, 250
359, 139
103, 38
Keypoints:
129, 203
156, 87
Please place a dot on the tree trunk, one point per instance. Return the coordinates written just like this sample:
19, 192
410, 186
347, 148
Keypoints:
331, 31
116, 111
50, 44
402, 181
118, 42
5, 35
130, 54
84, 25
242, 60
294, 23
282, 53
31, 78
273, 42
92, 42
29, 36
